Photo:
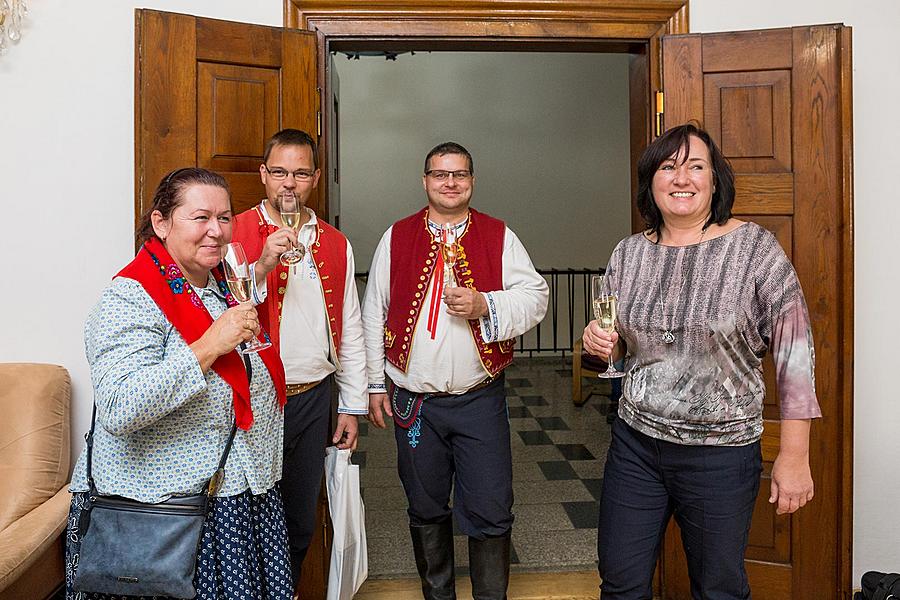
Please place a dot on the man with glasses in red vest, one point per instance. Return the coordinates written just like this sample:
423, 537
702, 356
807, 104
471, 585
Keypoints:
449, 290
311, 312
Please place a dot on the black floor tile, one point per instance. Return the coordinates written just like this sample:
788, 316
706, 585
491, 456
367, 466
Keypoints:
518, 412
359, 458
534, 401
594, 486
574, 451
520, 382
556, 470
564, 372
535, 438
552, 424
582, 514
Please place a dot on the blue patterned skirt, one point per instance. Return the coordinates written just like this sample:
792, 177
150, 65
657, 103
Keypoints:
243, 550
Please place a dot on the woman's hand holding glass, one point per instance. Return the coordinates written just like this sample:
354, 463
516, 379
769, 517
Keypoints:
237, 276
600, 336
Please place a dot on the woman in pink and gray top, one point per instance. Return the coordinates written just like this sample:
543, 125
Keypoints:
701, 298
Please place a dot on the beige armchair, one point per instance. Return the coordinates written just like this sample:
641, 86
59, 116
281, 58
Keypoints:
34, 474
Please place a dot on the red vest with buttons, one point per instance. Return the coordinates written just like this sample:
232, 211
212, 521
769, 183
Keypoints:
329, 253
479, 266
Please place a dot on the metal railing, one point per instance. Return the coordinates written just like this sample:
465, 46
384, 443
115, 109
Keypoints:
568, 311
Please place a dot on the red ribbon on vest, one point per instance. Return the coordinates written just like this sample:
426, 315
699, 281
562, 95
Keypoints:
437, 291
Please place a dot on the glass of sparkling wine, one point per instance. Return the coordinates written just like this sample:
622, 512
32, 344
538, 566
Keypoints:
237, 276
450, 251
604, 303
291, 210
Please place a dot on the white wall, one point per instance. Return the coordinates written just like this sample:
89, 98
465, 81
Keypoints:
876, 79
66, 160
548, 133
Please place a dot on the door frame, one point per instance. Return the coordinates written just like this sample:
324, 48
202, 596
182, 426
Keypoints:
632, 26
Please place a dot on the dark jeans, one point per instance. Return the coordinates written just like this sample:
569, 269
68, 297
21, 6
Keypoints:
306, 429
711, 492
464, 437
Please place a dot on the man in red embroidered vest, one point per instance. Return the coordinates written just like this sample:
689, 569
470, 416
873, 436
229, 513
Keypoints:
440, 319
311, 312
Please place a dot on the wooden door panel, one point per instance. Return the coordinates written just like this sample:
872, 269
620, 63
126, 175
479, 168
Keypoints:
772, 101
227, 92
746, 113
763, 194
748, 50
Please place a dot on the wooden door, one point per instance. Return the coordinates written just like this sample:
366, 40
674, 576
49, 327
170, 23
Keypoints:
778, 103
209, 93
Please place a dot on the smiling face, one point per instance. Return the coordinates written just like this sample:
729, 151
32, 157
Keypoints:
449, 197
683, 186
197, 230
301, 177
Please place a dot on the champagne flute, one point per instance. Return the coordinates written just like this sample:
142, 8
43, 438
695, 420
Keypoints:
237, 276
449, 250
291, 212
605, 312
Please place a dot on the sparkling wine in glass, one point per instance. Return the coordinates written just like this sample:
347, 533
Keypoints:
604, 304
238, 278
291, 212
450, 251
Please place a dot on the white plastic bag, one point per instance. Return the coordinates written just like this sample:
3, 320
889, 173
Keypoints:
349, 559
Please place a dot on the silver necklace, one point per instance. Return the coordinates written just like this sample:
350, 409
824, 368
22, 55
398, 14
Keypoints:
668, 335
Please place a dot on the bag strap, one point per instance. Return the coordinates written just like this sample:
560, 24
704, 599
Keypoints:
213, 483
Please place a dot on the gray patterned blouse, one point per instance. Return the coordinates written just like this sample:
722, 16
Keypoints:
697, 321
161, 422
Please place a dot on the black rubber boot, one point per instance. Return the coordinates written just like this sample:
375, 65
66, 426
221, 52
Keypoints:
489, 567
433, 547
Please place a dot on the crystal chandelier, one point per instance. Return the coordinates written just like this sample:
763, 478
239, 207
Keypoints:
11, 14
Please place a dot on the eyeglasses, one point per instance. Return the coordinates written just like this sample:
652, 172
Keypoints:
445, 175
280, 174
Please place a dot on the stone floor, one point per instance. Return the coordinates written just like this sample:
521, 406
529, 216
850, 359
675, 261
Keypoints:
558, 454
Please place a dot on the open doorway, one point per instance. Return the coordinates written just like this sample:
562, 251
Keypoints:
209, 92
549, 134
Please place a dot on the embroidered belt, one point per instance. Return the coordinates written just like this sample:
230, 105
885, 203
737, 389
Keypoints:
298, 388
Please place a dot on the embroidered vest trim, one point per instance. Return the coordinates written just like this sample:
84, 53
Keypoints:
414, 254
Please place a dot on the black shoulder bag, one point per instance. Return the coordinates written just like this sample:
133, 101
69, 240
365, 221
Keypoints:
879, 586
138, 548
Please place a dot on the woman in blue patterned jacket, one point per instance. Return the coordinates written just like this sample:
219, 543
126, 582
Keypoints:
168, 386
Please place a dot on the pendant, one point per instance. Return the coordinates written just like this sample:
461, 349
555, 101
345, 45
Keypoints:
668, 337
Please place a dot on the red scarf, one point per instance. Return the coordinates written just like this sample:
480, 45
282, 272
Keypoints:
163, 281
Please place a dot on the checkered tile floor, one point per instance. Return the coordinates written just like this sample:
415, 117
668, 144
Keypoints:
558, 454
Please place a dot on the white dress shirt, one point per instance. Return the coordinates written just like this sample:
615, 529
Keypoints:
306, 348
450, 362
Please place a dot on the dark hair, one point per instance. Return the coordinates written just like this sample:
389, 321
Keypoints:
450, 148
170, 194
677, 141
291, 137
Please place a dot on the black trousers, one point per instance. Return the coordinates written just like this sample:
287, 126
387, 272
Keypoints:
711, 492
463, 438
306, 430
